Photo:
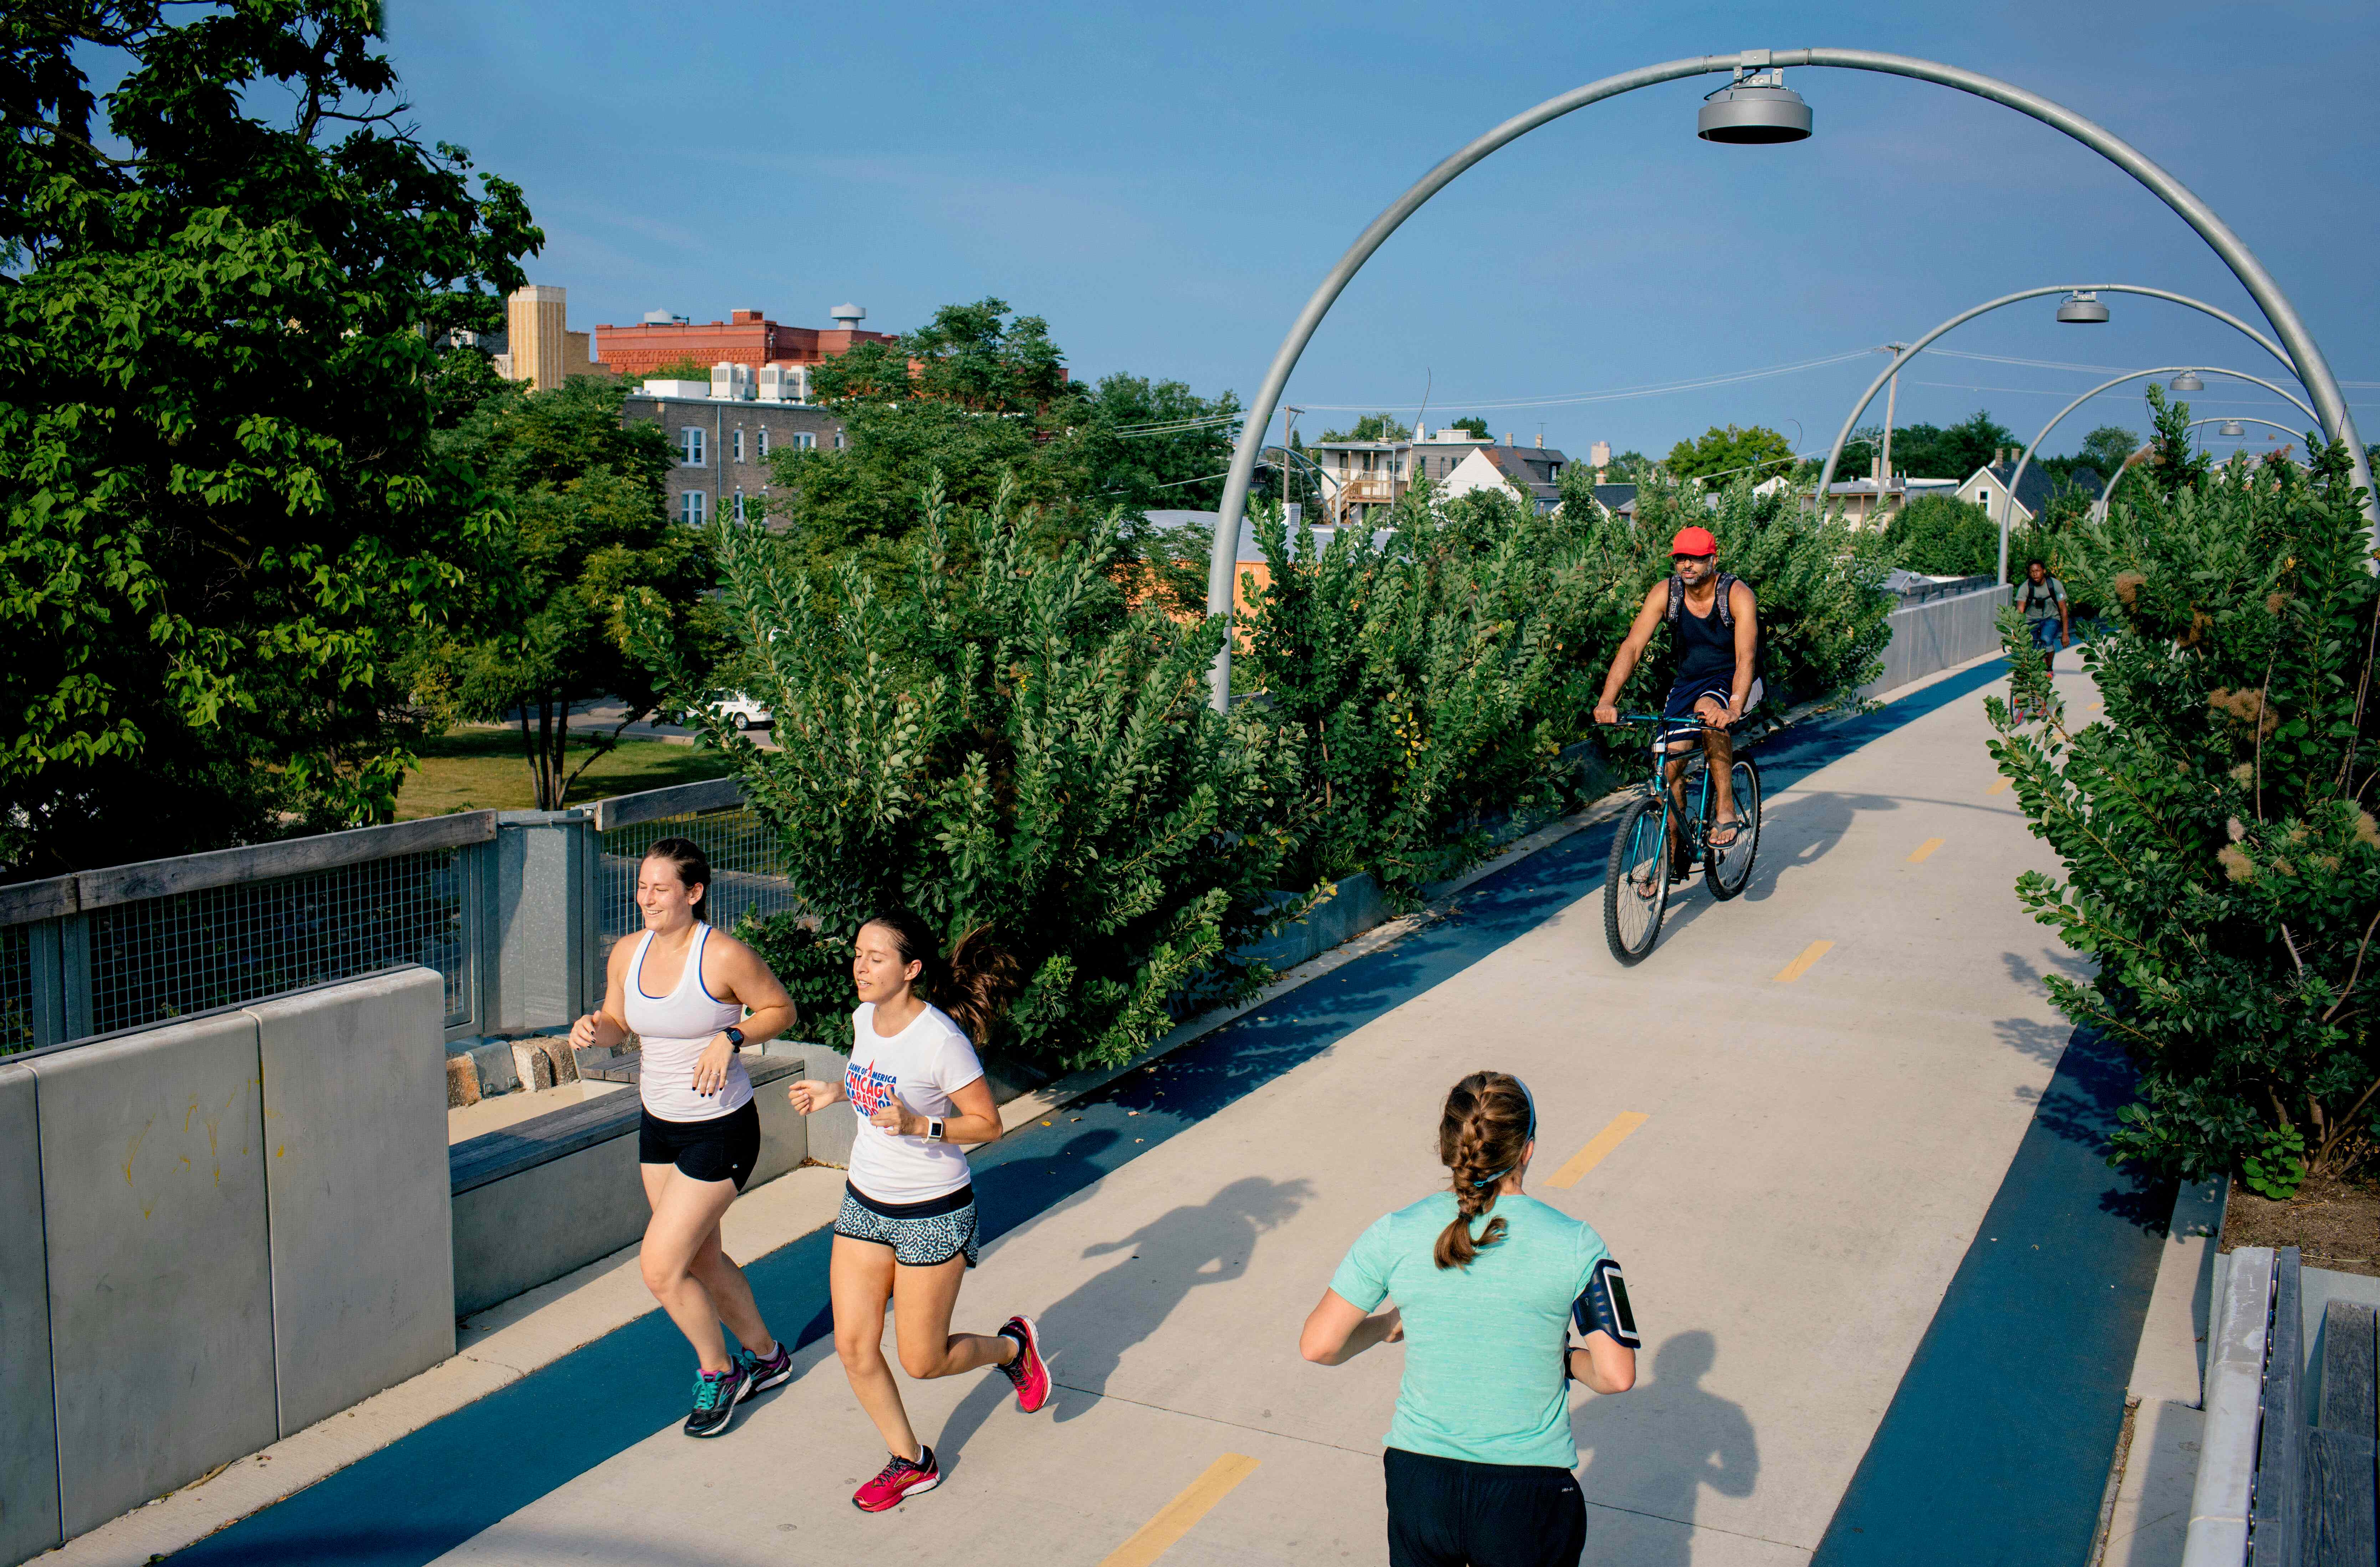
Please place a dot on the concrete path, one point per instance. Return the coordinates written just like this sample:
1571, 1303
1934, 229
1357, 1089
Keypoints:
1807, 1101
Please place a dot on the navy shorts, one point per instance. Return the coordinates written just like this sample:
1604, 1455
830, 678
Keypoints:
1448, 1513
1718, 686
724, 1148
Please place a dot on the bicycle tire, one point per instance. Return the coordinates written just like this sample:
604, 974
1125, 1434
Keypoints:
1641, 836
1728, 871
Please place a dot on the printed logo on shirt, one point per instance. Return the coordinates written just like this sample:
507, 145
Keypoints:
869, 1089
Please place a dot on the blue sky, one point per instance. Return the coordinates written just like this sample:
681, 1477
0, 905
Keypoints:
1167, 185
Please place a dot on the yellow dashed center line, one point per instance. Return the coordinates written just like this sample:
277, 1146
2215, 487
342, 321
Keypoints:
1917, 856
1999, 785
1800, 965
1587, 1158
1176, 1517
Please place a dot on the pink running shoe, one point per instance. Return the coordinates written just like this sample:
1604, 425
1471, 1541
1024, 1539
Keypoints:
1028, 1371
898, 1481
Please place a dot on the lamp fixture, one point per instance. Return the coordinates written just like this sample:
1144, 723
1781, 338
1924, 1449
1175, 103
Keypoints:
2081, 308
2231, 427
1754, 110
2187, 381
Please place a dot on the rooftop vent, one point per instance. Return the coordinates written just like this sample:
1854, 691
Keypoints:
848, 317
665, 318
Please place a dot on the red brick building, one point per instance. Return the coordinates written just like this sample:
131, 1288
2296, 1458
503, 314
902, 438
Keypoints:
745, 337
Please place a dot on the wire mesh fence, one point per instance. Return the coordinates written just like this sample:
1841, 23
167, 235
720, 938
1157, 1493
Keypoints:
746, 867
15, 988
170, 956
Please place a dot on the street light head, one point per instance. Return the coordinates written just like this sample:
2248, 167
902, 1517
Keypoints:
2187, 381
2231, 427
1758, 112
2082, 307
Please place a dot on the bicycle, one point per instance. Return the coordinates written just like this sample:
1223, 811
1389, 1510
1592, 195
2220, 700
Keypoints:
1636, 886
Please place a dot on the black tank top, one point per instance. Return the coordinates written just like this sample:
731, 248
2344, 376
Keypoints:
1704, 646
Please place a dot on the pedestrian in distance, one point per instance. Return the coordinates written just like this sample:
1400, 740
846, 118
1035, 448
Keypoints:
2042, 599
907, 1232
1479, 1454
694, 997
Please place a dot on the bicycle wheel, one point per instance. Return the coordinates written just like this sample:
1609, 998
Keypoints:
1636, 883
1729, 869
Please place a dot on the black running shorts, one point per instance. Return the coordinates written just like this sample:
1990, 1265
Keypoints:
1445, 1512
722, 1148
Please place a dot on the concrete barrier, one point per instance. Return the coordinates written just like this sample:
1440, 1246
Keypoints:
1939, 635
160, 1275
28, 1427
355, 1098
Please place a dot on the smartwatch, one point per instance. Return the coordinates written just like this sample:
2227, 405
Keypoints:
934, 1127
734, 1035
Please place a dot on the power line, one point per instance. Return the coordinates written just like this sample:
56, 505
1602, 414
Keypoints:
1655, 390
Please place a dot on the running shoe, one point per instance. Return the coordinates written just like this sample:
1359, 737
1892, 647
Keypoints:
766, 1374
1028, 1371
897, 1481
716, 1395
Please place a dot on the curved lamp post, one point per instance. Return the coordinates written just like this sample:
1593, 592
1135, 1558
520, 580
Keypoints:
1751, 111
2107, 492
2017, 477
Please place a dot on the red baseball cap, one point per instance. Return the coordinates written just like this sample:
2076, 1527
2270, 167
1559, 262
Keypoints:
1694, 542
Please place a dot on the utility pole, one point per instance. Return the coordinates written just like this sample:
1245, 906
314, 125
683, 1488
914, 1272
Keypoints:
1884, 470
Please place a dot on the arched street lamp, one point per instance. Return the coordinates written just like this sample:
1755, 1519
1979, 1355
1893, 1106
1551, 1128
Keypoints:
1834, 453
1754, 117
2107, 492
2187, 376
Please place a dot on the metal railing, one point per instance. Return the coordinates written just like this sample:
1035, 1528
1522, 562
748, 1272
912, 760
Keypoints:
118, 948
747, 866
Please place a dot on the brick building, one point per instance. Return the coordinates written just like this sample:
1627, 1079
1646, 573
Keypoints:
723, 444
745, 337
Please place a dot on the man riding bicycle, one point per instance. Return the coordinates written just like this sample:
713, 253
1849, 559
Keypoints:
1716, 627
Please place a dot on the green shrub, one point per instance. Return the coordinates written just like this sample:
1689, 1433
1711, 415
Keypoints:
2221, 864
1015, 746
1943, 536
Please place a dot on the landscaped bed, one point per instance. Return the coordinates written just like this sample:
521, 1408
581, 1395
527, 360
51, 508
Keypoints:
476, 768
2336, 1225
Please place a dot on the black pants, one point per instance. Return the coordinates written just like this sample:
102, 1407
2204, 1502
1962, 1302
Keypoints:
1445, 1512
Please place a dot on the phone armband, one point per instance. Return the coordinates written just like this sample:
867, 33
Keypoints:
1604, 1307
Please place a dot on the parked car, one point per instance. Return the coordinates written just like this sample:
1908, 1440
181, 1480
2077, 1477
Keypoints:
747, 714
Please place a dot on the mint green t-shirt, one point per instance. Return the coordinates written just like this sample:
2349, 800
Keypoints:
1483, 1345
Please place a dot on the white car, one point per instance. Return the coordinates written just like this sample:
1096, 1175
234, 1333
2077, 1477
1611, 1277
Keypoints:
747, 714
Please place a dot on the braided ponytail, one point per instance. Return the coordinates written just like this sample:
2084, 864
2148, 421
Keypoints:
1487, 1123
973, 985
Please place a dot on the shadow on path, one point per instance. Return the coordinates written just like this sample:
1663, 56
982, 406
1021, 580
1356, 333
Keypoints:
1679, 1439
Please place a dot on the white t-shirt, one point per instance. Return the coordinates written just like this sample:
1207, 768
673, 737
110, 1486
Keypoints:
922, 1064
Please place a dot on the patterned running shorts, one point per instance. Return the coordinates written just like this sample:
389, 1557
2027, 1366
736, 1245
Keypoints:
922, 1234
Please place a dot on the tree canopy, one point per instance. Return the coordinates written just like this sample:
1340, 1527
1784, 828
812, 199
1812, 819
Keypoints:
1387, 427
1728, 450
225, 516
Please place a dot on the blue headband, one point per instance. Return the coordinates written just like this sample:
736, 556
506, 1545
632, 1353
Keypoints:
1532, 1138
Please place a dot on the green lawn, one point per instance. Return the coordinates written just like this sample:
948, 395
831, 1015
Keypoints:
484, 770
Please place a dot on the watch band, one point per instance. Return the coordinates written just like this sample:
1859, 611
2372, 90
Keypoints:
734, 1035
934, 1127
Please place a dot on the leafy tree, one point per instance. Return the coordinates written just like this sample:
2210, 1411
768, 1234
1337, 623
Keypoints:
1476, 426
1934, 452
1013, 745
1380, 427
1727, 451
2102, 452
1943, 536
585, 534
1139, 444
225, 513
2221, 870
685, 368
1627, 468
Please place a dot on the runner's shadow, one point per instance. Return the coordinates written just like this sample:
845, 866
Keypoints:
1654, 1451
1089, 1330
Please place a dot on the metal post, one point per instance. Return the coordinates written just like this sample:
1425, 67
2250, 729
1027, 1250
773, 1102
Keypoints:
2018, 476
2302, 354
1884, 465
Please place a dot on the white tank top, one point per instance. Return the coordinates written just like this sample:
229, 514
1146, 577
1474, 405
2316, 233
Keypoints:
673, 1030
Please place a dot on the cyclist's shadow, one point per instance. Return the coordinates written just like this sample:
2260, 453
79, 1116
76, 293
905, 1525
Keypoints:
1793, 836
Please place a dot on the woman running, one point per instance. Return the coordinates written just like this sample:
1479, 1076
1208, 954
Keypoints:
1479, 1453
682, 991
907, 1230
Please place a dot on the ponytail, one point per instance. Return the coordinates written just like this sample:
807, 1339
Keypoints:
973, 985
1486, 1127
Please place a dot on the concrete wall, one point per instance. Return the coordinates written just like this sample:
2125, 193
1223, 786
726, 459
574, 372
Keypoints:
227, 1228
1933, 636
355, 1099
29, 1430
160, 1272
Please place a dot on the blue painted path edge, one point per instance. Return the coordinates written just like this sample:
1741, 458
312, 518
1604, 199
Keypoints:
430, 1490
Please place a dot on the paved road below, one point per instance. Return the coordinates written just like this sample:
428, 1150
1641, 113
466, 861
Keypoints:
1838, 1076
